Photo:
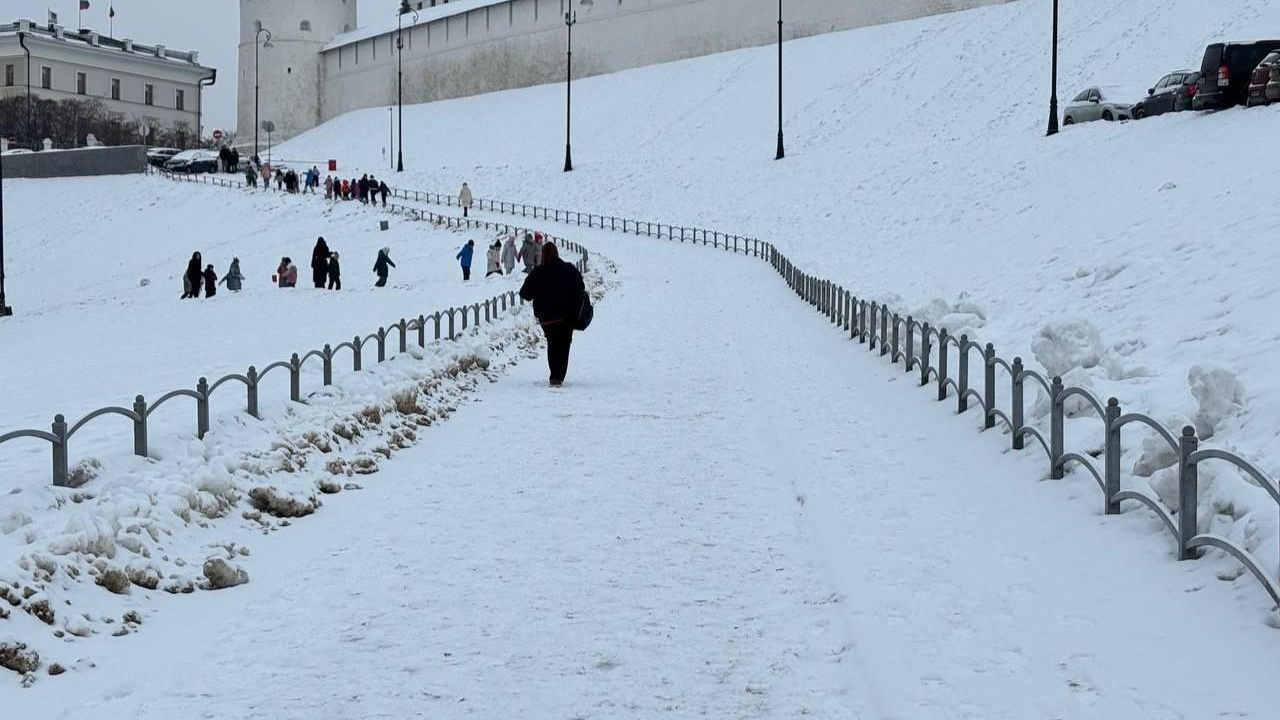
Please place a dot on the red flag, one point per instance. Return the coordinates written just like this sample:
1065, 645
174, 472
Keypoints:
84, 4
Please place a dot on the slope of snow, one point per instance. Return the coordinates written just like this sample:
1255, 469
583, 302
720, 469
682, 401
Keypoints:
917, 173
708, 521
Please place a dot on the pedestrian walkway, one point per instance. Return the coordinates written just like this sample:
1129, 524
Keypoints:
730, 511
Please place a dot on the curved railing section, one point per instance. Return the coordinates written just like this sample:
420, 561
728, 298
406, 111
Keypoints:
878, 327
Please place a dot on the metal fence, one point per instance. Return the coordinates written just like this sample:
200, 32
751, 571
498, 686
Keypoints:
443, 324
930, 351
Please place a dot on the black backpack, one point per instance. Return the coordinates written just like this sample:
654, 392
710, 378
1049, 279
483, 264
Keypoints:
585, 313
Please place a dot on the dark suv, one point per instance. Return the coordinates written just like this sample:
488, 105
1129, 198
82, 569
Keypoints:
1174, 93
1226, 70
1269, 66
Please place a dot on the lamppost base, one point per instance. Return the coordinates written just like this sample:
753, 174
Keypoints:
1053, 117
782, 153
568, 159
6, 311
400, 162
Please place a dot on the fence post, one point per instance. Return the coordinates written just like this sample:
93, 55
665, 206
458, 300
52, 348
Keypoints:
962, 376
943, 357
925, 351
1057, 418
295, 377
476, 309
893, 355
59, 429
356, 353
404, 332
1188, 493
874, 307
382, 344
452, 334
140, 427
847, 310
422, 331
909, 359
202, 408
486, 311
464, 317
251, 390
884, 329
1111, 467
326, 356
989, 389
1015, 404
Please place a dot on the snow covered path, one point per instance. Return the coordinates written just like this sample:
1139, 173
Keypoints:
730, 512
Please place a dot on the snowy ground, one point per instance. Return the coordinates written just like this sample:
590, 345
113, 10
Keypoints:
710, 520
917, 172
87, 334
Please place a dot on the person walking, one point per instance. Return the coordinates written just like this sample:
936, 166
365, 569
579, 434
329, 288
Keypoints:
266, 177
346, 189
556, 290
364, 189
382, 266
509, 254
234, 278
287, 273
210, 282
320, 264
193, 277
235, 160
335, 273
383, 190
224, 160
494, 256
464, 255
251, 177
528, 253
328, 187
465, 200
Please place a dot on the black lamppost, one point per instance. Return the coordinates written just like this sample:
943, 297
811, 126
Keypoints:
1053, 93
570, 19
781, 152
257, 43
5, 310
405, 9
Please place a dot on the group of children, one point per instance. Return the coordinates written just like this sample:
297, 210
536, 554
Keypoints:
195, 279
367, 189
502, 255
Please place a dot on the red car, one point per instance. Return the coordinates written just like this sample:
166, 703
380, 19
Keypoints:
1262, 75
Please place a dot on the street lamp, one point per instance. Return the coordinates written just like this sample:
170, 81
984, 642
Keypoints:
5, 310
781, 152
570, 19
257, 42
1053, 93
405, 9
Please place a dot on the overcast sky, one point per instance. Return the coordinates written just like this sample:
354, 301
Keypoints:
211, 27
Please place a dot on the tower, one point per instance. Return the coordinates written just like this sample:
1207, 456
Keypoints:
289, 73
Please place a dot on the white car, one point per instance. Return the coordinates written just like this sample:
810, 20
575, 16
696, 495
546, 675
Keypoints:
1100, 102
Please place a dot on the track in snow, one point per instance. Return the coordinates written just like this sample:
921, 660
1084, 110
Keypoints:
730, 512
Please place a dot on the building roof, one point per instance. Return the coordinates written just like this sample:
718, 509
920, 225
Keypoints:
425, 15
90, 39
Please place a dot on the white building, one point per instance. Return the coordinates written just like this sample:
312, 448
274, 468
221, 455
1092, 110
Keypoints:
148, 83
319, 64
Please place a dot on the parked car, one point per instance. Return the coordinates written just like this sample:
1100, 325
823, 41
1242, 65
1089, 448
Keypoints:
1226, 70
193, 161
1174, 93
1100, 102
159, 156
1273, 85
1261, 78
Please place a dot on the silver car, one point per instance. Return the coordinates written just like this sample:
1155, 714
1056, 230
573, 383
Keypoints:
1100, 102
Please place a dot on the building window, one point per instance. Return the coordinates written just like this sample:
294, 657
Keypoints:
46, 78
149, 94
81, 81
8, 75
305, 26
115, 88
180, 100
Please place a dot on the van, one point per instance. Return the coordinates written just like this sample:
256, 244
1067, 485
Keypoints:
1225, 73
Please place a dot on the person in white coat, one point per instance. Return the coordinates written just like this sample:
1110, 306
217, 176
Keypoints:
465, 200
509, 254
494, 256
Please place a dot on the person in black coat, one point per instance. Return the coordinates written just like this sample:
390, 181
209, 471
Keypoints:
383, 190
556, 290
193, 278
320, 264
210, 282
335, 273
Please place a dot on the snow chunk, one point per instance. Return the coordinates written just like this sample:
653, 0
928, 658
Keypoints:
222, 574
1068, 344
1219, 394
